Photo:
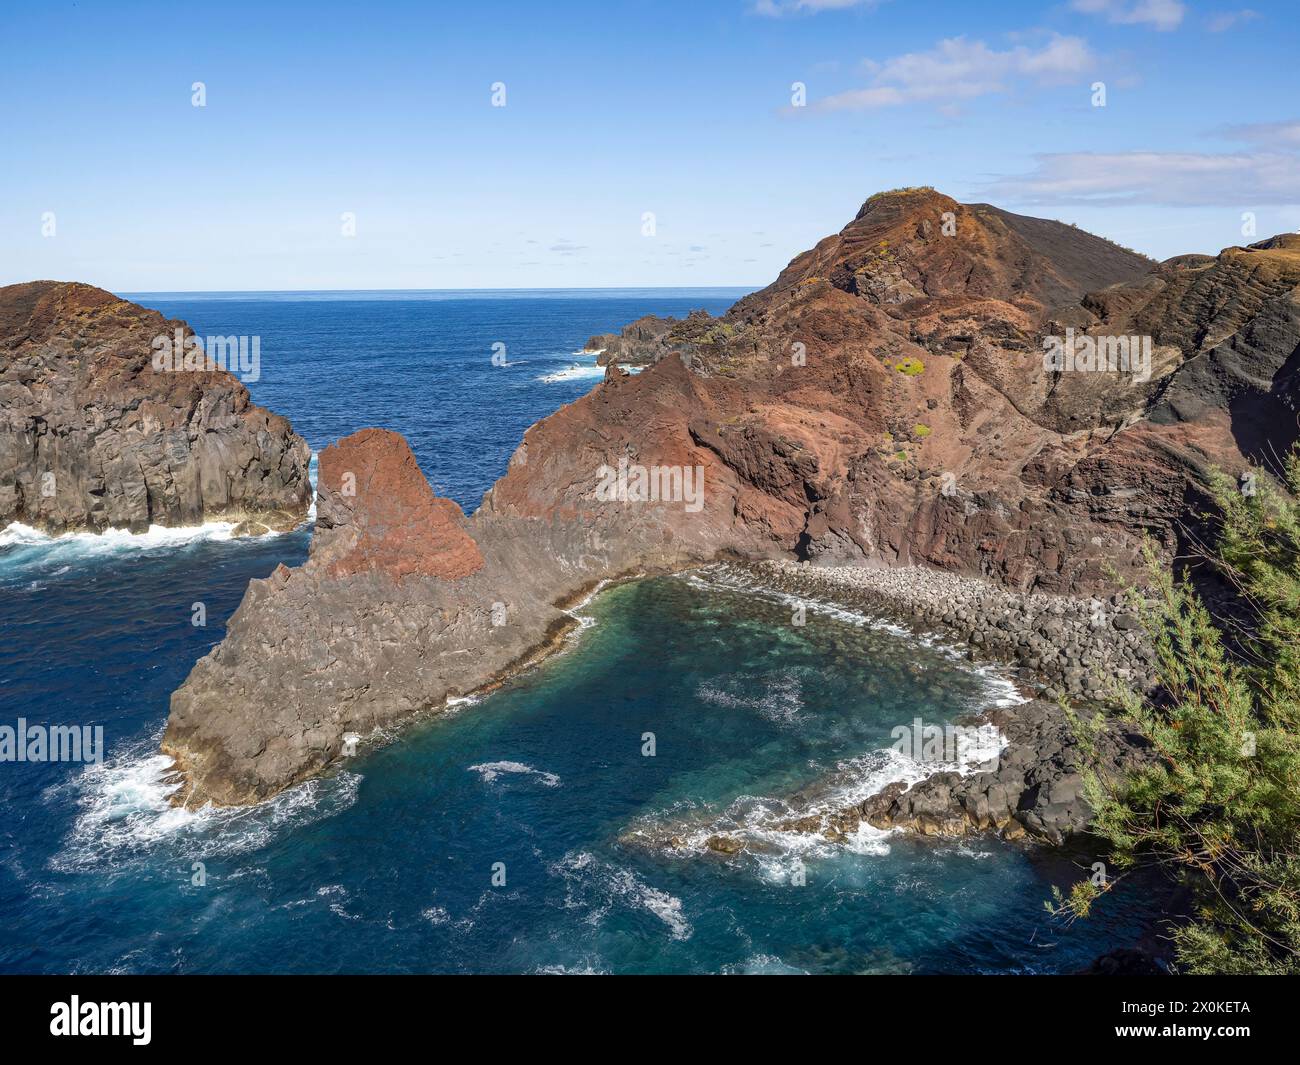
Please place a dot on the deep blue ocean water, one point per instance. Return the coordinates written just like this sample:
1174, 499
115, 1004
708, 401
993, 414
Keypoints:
396, 862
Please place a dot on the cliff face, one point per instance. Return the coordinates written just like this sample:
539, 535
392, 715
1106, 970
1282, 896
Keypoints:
93, 437
883, 403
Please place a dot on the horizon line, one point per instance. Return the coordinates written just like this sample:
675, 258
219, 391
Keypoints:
478, 288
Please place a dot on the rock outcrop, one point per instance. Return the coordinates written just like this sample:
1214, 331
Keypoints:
402, 604
1072, 647
885, 402
1034, 789
93, 437
648, 339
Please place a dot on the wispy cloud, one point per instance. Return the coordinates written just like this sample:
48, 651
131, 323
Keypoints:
1158, 14
1270, 134
778, 8
1168, 179
1225, 20
961, 69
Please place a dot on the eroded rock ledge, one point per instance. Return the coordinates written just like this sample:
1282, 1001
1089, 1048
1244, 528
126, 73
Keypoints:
1033, 789
93, 437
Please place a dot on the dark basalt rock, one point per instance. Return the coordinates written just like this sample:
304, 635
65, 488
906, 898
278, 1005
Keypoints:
93, 437
1035, 788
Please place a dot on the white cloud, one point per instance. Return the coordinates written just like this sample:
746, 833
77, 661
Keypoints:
960, 69
1159, 14
1171, 179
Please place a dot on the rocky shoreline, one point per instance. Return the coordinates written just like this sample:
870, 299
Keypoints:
1032, 790
882, 405
1073, 647
1034, 787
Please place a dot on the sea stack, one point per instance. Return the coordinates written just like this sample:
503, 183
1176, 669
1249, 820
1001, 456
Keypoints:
98, 432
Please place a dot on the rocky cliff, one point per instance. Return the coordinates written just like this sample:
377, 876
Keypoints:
92, 436
885, 402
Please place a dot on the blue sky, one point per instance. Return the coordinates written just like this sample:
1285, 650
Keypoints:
681, 109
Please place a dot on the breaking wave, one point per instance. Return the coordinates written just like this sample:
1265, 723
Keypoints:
776, 831
491, 771
781, 701
125, 813
22, 546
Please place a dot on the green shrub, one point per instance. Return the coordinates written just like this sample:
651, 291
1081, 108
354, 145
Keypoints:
1220, 804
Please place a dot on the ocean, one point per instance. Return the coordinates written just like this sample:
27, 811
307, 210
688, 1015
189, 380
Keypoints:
515, 833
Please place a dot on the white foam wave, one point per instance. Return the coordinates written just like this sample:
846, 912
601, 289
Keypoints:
1001, 690
728, 579
763, 965
586, 621
453, 704
573, 373
781, 701
125, 811
19, 535
490, 771
767, 825
31, 545
599, 886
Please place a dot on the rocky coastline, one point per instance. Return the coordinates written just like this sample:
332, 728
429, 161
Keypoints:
1031, 790
882, 409
1034, 787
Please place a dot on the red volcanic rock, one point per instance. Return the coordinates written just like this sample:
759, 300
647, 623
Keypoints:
370, 483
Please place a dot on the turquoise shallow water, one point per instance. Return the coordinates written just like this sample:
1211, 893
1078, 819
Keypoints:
389, 864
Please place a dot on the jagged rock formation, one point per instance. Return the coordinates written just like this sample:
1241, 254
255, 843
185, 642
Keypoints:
884, 402
1036, 787
647, 340
93, 437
